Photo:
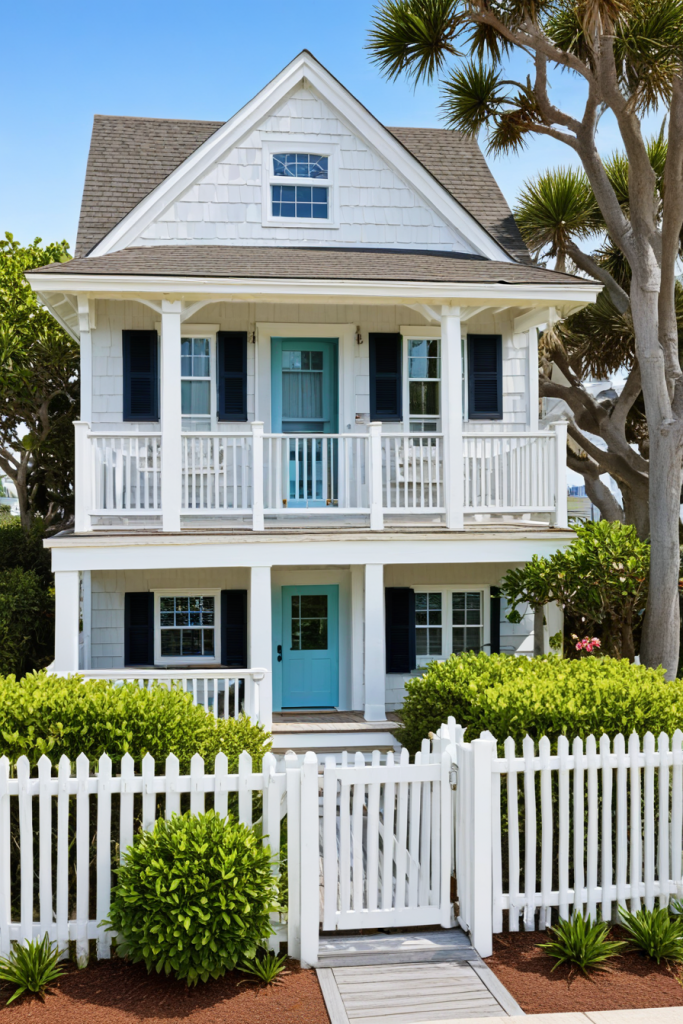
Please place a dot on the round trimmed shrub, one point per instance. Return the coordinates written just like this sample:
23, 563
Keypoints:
544, 696
193, 897
54, 715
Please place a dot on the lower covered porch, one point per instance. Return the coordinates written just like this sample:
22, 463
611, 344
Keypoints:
318, 653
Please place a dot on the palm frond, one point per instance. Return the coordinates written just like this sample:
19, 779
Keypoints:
554, 208
413, 37
472, 94
566, 30
648, 49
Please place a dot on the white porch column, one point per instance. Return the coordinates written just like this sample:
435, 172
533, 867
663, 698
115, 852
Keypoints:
357, 675
451, 415
375, 657
86, 324
171, 418
560, 518
67, 616
261, 637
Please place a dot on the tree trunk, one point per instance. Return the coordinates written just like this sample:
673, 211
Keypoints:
661, 630
21, 484
636, 511
539, 618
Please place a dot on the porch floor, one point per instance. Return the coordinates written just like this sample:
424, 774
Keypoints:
331, 721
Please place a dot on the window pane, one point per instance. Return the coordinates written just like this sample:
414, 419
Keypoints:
299, 201
423, 358
208, 642
314, 605
196, 397
300, 165
424, 398
170, 643
434, 641
428, 632
167, 604
191, 643
314, 634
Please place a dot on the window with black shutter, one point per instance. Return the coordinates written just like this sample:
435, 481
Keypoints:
234, 628
140, 376
139, 629
232, 375
485, 373
386, 388
400, 629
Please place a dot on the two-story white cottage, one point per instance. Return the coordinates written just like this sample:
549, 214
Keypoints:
309, 443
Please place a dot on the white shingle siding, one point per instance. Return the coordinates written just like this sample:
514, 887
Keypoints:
376, 207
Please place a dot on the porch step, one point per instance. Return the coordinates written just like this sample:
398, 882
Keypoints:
349, 950
330, 732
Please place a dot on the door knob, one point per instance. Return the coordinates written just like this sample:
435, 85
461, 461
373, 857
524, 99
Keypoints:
279, 652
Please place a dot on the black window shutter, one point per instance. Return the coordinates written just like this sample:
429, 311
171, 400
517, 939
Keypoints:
485, 371
140, 376
232, 375
400, 628
495, 620
386, 390
138, 644
234, 629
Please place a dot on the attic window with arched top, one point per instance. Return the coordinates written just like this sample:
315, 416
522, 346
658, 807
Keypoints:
298, 198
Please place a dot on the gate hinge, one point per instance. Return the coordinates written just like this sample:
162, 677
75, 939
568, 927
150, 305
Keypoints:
453, 776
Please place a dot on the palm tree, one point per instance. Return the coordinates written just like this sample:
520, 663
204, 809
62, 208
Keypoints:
626, 57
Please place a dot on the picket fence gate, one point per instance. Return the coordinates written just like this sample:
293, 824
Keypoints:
601, 827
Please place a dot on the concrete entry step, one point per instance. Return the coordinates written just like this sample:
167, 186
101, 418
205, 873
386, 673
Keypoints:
349, 949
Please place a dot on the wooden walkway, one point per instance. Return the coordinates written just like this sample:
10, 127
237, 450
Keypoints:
408, 978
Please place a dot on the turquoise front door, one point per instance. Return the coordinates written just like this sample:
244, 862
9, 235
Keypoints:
310, 647
304, 402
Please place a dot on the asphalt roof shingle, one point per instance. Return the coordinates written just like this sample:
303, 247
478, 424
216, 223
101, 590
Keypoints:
130, 156
245, 261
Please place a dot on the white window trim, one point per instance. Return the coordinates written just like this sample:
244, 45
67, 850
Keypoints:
214, 662
300, 144
203, 331
417, 334
447, 616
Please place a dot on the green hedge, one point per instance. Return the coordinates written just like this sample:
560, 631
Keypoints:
49, 714
546, 696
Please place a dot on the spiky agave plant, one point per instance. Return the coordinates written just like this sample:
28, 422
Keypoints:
582, 943
32, 967
655, 933
267, 968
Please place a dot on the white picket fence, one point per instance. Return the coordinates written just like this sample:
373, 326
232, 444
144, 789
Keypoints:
47, 801
590, 828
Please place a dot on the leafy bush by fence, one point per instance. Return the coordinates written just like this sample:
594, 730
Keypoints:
547, 696
53, 715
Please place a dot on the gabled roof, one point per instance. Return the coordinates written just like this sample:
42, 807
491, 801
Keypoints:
309, 263
130, 156
137, 166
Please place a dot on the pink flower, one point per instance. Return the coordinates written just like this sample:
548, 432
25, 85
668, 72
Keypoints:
588, 644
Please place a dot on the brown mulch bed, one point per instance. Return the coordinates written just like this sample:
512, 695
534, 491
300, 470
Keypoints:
633, 981
116, 992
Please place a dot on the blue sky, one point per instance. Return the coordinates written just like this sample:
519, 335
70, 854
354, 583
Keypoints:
69, 61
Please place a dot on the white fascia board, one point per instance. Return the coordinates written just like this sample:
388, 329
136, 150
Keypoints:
302, 70
175, 551
294, 290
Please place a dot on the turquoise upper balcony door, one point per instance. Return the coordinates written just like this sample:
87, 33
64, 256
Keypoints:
310, 647
304, 391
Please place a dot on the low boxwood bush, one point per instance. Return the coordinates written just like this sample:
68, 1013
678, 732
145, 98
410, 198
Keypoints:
53, 715
193, 897
545, 696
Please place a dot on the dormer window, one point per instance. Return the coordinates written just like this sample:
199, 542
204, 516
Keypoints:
298, 198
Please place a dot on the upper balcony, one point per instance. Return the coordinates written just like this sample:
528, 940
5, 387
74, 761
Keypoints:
249, 479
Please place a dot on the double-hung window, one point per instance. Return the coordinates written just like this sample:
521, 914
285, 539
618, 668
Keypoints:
195, 383
187, 627
424, 384
299, 186
448, 621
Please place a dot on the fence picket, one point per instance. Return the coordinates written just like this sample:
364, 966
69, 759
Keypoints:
62, 922
197, 802
513, 834
82, 858
529, 834
245, 797
25, 848
103, 853
546, 833
622, 822
563, 820
373, 837
592, 829
649, 829
220, 796
172, 769
45, 845
579, 819
636, 854
149, 799
388, 808
126, 806
663, 818
676, 812
606, 830
357, 816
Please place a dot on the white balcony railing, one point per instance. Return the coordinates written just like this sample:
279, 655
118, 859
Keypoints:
510, 472
216, 473
315, 472
226, 693
126, 473
249, 474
